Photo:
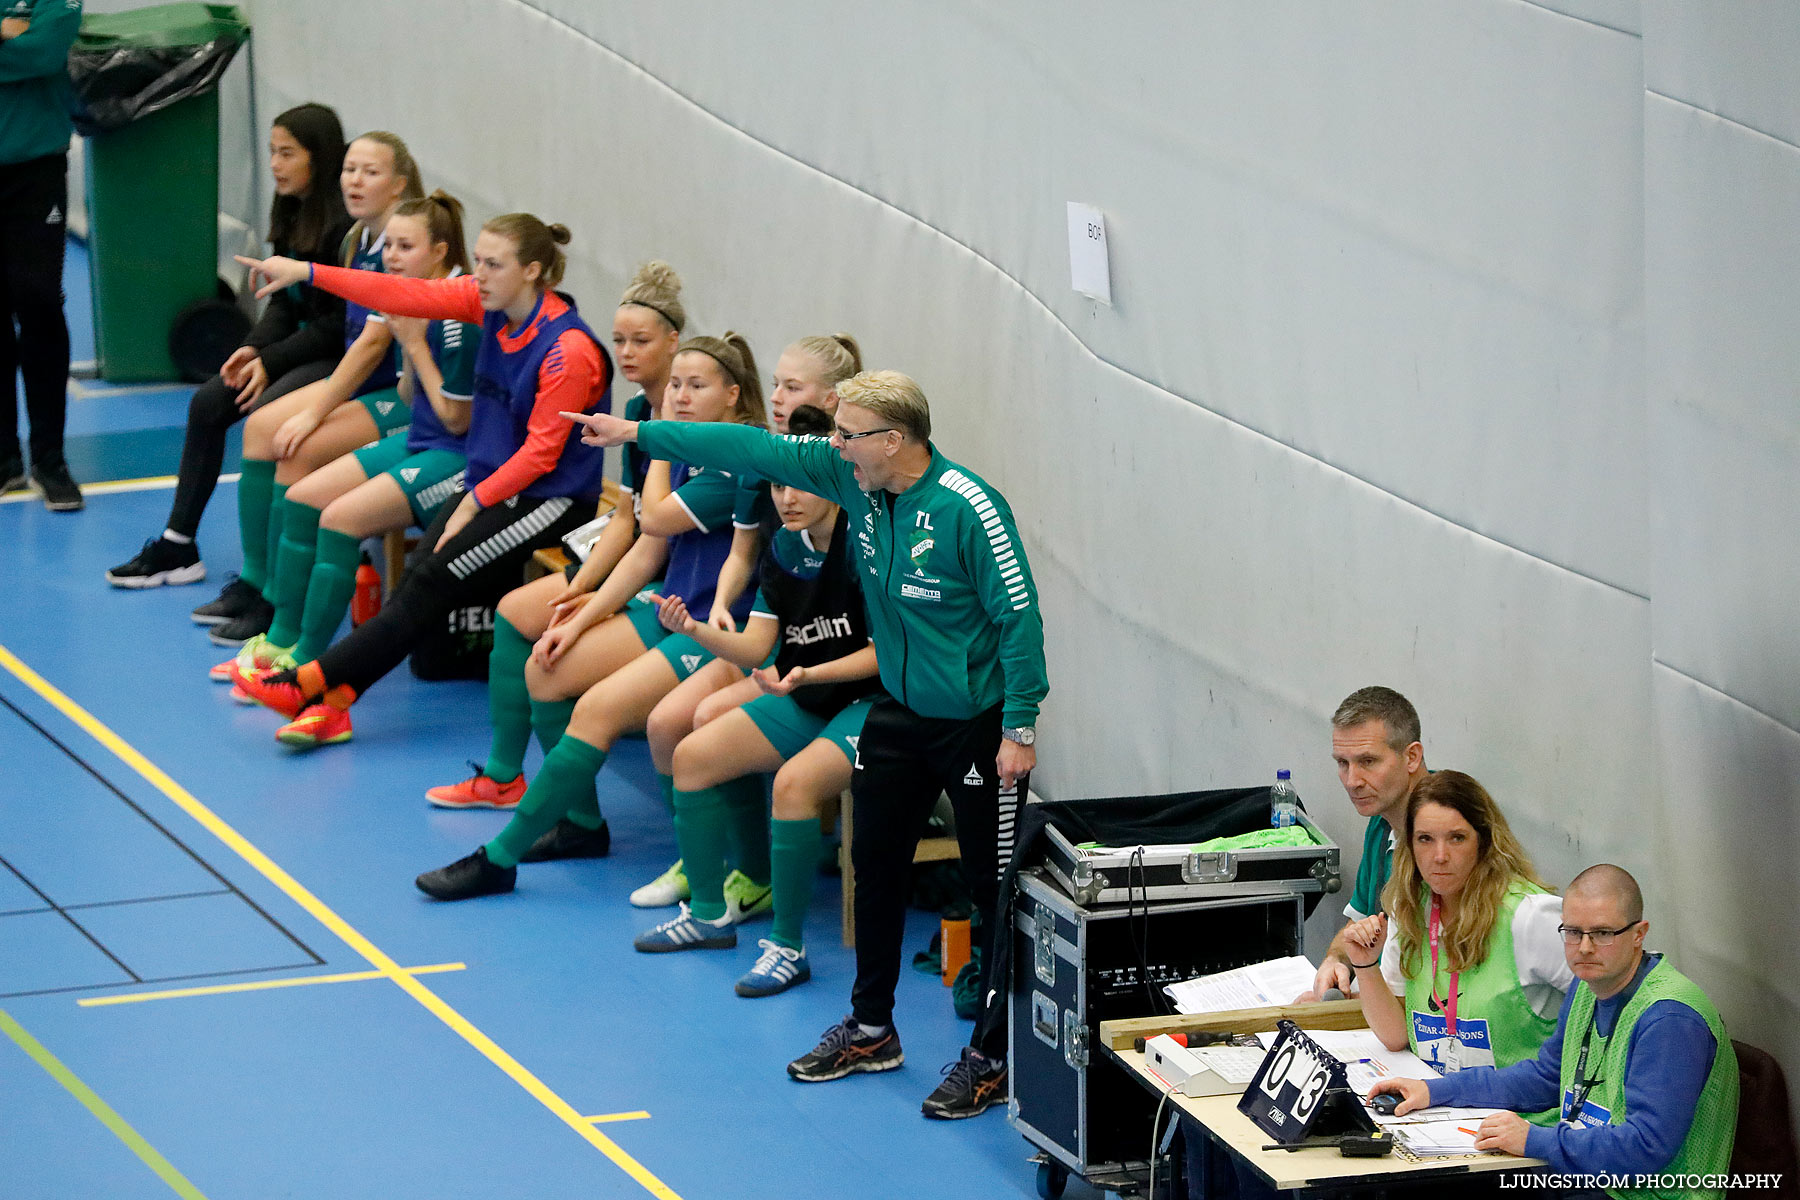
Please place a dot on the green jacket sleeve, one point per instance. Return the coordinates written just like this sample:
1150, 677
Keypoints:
44, 48
807, 463
996, 562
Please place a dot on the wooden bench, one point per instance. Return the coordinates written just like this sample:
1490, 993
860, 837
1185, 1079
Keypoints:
553, 560
930, 849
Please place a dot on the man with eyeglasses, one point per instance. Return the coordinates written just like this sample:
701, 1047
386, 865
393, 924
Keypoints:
953, 614
1640, 1067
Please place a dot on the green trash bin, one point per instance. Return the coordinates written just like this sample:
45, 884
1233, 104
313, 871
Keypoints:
147, 83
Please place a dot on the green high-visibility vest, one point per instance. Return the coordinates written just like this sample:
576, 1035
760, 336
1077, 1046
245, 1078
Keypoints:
1495, 1023
1707, 1148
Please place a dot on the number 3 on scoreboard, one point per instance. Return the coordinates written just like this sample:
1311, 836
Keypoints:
1310, 1091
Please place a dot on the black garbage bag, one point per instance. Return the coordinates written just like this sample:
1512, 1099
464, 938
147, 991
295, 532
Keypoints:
126, 66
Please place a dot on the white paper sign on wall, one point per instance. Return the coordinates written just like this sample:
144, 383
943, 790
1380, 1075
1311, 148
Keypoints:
1089, 273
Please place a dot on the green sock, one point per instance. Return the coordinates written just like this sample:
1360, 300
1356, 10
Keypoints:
566, 779
701, 830
795, 863
549, 718
272, 536
328, 591
749, 816
256, 489
509, 704
292, 571
666, 786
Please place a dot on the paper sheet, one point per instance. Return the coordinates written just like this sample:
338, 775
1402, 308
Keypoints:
1260, 985
1436, 1138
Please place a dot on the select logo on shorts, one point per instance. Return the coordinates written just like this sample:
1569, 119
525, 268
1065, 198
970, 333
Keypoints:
909, 591
973, 777
55, 217
410, 474
691, 661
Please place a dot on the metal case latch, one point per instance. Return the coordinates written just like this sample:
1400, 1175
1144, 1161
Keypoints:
1211, 866
1087, 883
1075, 1040
1043, 1018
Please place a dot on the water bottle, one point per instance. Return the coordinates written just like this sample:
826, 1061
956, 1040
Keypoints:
365, 601
1284, 804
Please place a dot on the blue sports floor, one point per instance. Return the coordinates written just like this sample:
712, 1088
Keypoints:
217, 979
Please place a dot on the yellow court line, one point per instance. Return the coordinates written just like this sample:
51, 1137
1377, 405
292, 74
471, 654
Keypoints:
322, 913
609, 1118
134, 1140
261, 985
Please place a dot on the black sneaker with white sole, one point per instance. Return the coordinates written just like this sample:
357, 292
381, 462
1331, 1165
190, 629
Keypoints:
566, 839
60, 491
972, 1085
159, 562
235, 599
844, 1050
241, 629
13, 476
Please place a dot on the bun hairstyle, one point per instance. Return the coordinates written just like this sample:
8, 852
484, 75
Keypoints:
808, 421
732, 353
657, 287
297, 224
534, 242
838, 356
443, 217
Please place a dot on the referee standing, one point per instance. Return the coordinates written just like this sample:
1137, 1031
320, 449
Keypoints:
35, 36
953, 613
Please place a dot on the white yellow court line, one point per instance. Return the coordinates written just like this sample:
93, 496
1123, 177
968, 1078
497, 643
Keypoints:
609, 1118
261, 985
102, 1111
111, 487
346, 933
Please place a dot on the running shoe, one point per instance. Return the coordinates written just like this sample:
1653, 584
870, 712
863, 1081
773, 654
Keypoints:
13, 476
479, 791
685, 931
972, 1084
779, 969
317, 725
159, 562
467, 878
844, 1050
235, 599
671, 887
745, 898
257, 654
268, 689
58, 488
241, 629
566, 839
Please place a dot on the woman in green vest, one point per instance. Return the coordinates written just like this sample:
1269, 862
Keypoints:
1470, 963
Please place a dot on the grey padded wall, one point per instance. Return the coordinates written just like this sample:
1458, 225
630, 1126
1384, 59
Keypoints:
1418, 370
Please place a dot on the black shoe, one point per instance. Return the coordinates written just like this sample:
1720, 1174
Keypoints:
60, 491
566, 839
239, 630
467, 878
844, 1051
13, 477
160, 561
972, 1085
235, 599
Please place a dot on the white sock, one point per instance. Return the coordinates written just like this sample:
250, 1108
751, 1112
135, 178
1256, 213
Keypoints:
870, 1031
180, 539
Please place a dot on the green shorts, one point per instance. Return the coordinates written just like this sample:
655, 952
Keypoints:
790, 728
390, 413
430, 479
642, 615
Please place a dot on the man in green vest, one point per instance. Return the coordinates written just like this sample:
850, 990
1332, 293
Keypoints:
1375, 744
1640, 1065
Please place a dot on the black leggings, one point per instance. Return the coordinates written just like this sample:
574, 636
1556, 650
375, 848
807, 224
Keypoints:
34, 200
903, 760
483, 562
211, 414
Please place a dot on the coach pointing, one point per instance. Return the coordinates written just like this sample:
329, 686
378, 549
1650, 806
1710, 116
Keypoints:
954, 616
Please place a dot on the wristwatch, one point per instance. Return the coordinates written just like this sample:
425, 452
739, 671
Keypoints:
1024, 735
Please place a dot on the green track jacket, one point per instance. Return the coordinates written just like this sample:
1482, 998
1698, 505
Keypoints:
952, 608
34, 79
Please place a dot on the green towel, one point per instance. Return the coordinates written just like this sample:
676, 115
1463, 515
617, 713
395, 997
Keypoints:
1261, 839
